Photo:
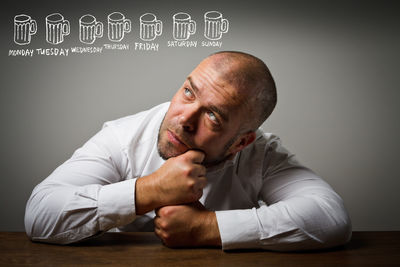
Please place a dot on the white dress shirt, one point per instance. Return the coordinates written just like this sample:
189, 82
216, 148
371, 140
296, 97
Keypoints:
263, 198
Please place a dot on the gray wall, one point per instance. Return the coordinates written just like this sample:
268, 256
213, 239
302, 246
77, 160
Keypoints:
335, 64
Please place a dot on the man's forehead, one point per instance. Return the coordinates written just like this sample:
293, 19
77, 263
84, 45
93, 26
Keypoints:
222, 92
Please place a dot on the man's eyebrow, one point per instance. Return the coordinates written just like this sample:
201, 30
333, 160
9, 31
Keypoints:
220, 112
192, 85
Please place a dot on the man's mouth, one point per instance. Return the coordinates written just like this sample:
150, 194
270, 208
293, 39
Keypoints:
173, 138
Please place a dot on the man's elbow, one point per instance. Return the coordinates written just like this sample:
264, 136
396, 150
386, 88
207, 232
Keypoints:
341, 234
28, 225
338, 232
32, 228
40, 220
328, 226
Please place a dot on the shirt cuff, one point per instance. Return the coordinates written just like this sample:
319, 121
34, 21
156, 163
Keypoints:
238, 229
116, 204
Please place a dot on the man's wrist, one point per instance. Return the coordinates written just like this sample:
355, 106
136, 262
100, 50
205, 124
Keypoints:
211, 233
145, 195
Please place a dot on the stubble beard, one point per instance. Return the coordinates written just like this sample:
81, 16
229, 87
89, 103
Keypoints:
168, 146
165, 148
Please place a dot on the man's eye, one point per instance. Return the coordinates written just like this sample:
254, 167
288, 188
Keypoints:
212, 116
188, 93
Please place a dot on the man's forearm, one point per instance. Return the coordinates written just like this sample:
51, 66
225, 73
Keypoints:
65, 214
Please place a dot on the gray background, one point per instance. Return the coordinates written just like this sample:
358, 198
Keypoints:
335, 64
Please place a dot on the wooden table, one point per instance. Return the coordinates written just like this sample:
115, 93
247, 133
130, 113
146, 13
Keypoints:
144, 249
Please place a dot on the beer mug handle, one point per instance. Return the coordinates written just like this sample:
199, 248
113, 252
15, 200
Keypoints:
192, 27
66, 27
99, 29
159, 27
127, 25
33, 27
224, 26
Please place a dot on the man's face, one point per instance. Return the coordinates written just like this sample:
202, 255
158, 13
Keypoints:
205, 114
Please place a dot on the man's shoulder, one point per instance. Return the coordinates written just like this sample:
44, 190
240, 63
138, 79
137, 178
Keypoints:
266, 144
266, 138
263, 157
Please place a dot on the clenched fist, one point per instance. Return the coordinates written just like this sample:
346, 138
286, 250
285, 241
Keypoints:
187, 225
179, 180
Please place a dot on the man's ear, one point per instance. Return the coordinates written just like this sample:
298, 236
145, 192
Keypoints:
242, 141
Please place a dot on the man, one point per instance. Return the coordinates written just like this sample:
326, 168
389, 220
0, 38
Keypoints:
197, 171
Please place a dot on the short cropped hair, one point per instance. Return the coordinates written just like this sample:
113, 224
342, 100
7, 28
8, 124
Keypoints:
254, 76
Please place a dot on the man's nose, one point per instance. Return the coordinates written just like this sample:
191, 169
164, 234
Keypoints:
189, 119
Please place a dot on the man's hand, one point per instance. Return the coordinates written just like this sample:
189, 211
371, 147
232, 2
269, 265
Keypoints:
187, 225
179, 180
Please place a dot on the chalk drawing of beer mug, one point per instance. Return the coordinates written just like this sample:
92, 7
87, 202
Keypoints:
118, 25
215, 25
56, 28
150, 27
89, 29
24, 28
184, 26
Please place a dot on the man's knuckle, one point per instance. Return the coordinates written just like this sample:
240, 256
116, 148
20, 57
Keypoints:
187, 170
163, 212
166, 211
163, 225
191, 184
166, 237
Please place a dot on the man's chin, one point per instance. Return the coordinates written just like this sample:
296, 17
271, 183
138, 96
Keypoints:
168, 156
169, 153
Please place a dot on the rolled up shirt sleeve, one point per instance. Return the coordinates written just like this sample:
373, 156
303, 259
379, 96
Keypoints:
85, 196
297, 210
